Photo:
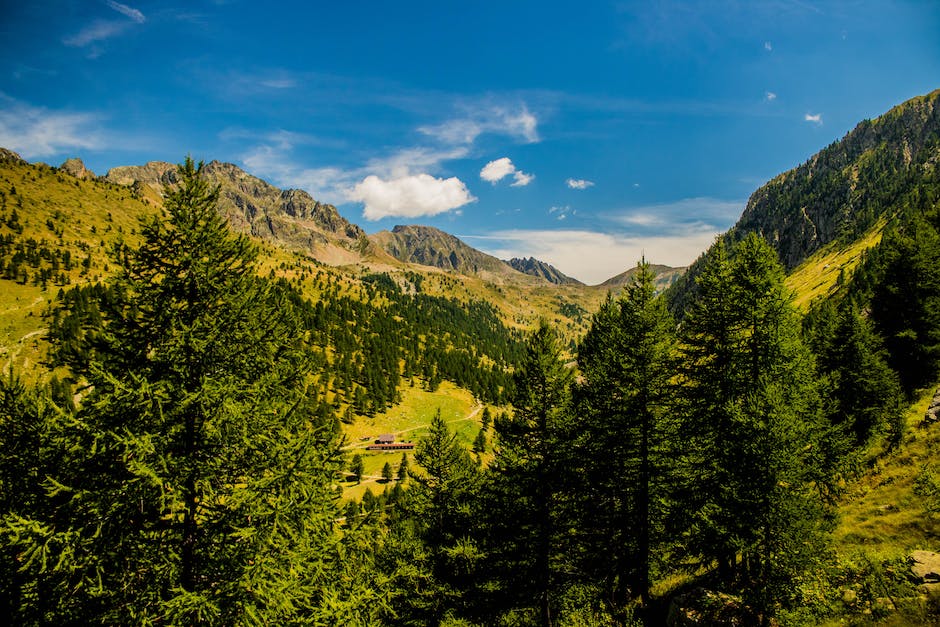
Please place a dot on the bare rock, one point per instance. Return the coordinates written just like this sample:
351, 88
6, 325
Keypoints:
9, 155
933, 411
925, 566
76, 168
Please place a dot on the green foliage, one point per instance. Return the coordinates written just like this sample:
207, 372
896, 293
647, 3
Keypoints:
194, 482
751, 415
431, 557
529, 520
628, 446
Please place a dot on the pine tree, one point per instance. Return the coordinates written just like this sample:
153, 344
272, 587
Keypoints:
387, 472
402, 472
195, 484
628, 442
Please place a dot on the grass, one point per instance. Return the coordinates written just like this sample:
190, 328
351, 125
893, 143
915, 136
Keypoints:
818, 276
409, 421
881, 516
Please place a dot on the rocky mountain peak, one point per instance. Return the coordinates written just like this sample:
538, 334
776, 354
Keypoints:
538, 268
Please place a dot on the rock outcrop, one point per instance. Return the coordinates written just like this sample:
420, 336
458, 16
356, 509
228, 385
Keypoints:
253, 206
925, 567
75, 167
9, 155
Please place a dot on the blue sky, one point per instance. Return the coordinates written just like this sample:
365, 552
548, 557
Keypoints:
583, 133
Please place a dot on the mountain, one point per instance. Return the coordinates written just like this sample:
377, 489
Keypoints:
665, 276
550, 273
428, 246
843, 190
844, 194
256, 207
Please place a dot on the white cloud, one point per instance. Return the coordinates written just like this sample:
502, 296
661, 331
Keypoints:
409, 196
594, 257
519, 123
815, 118
770, 96
521, 179
38, 132
130, 12
579, 183
498, 169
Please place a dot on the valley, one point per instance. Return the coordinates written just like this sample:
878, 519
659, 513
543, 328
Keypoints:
801, 360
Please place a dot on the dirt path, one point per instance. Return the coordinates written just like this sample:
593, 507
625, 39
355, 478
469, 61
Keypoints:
39, 300
19, 345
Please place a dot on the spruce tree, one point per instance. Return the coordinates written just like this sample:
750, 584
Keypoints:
195, 485
432, 555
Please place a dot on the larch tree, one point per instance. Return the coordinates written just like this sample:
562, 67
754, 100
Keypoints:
751, 412
628, 442
196, 480
526, 488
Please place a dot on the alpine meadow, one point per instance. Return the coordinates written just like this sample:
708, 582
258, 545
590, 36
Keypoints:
583, 386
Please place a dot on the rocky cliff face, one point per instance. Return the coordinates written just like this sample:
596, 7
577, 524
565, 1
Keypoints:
253, 206
428, 246
843, 191
543, 270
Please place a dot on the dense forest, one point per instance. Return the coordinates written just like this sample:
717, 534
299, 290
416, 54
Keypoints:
182, 466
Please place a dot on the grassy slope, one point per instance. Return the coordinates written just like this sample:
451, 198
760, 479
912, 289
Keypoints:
818, 276
409, 421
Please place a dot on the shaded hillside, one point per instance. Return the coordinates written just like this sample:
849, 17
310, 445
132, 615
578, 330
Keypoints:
253, 206
544, 270
876, 171
429, 246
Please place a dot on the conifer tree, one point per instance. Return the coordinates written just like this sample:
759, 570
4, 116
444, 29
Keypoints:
751, 414
432, 556
526, 488
628, 442
195, 485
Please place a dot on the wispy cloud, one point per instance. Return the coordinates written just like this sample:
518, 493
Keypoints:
130, 12
701, 212
498, 169
39, 132
517, 122
100, 29
815, 118
579, 183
